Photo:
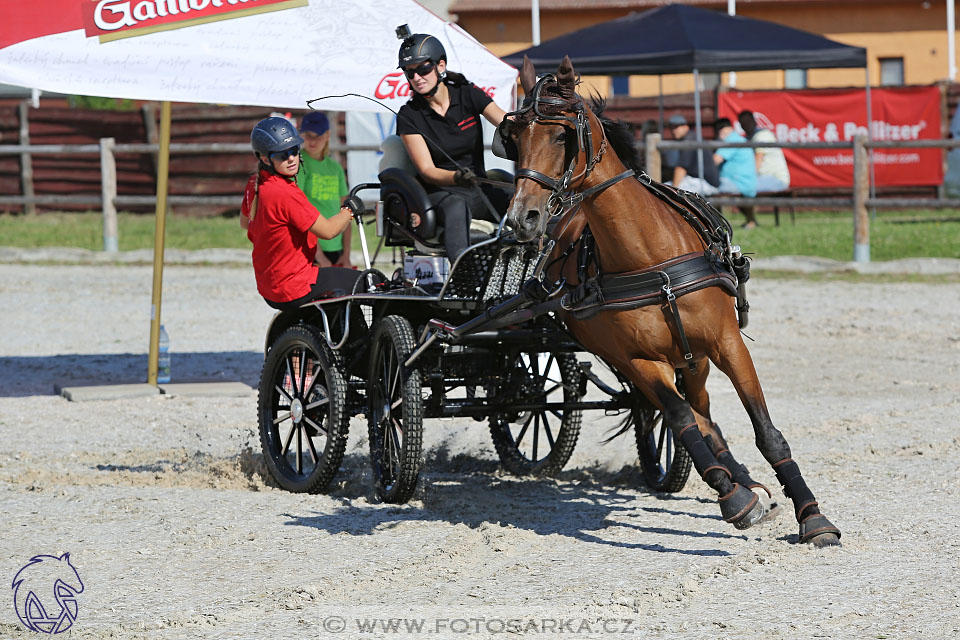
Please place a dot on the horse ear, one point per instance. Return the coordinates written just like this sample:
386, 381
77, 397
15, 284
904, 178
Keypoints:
528, 76
566, 77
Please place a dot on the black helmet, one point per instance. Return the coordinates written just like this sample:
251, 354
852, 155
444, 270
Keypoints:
421, 47
274, 134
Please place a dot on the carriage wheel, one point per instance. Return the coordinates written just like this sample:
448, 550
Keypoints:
302, 411
537, 442
395, 415
665, 465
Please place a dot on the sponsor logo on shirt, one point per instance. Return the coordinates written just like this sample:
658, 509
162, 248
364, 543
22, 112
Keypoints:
466, 123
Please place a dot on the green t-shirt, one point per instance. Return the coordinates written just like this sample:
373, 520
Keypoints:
325, 186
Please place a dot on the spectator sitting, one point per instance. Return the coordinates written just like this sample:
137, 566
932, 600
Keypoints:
772, 172
738, 170
686, 173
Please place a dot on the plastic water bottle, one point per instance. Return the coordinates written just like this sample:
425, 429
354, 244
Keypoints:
163, 362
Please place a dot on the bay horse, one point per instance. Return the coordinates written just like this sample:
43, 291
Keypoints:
560, 146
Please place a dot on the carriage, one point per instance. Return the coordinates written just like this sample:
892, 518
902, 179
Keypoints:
473, 339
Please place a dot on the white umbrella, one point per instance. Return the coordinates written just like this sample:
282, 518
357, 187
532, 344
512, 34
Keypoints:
274, 53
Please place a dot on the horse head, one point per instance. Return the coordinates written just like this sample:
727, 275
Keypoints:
553, 135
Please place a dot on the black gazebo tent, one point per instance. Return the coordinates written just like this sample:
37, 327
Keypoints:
678, 38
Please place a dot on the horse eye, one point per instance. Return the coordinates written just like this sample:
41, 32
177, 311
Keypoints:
562, 137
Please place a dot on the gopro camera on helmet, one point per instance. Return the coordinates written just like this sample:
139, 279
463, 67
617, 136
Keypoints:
403, 32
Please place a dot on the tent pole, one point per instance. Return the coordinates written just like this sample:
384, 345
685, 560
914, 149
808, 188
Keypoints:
163, 171
535, 22
660, 104
696, 108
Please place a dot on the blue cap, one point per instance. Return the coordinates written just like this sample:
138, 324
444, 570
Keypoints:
315, 122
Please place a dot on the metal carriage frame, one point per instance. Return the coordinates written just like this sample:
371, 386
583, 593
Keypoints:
485, 344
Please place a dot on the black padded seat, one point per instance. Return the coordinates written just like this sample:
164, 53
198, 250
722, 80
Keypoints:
338, 281
407, 210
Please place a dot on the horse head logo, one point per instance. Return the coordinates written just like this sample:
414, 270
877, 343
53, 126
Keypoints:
45, 593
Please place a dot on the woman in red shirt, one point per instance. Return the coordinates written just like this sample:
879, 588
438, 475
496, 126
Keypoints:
281, 223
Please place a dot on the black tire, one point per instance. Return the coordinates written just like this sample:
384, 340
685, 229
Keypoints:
529, 379
665, 465
312, 400
395, 411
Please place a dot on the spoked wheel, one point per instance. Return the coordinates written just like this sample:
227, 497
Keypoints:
395, 415
665, 463
537, 442
302, 411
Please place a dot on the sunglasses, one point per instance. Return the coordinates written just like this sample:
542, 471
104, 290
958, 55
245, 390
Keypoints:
422, 71
286, 153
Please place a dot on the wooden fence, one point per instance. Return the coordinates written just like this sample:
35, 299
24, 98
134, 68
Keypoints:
36, 177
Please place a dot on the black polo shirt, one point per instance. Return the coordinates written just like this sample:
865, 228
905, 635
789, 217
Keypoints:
459, 132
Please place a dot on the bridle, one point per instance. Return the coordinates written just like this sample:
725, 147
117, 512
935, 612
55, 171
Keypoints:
562, 194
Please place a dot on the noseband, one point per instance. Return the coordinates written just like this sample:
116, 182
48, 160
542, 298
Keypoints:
562, 194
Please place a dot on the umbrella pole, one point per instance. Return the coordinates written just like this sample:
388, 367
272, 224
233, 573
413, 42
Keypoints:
163, 171
696, 108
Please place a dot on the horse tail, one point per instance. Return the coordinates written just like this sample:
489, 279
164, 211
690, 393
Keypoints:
625, 424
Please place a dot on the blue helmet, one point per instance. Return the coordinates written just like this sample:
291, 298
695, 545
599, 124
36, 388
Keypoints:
274, 134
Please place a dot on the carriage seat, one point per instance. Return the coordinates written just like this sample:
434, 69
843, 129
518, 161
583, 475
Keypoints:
409, 218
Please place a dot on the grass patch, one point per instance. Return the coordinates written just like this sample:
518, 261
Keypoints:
134, 231
893, 235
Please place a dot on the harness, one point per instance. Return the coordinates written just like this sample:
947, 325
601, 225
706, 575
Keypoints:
719, 264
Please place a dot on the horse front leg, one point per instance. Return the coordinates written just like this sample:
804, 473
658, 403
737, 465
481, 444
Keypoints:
734, 360
738, 504
695, 391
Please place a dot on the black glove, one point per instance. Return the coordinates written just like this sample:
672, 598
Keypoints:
355, 204
464, 178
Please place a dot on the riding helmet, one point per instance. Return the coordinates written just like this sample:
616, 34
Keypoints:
274, 134
421, 47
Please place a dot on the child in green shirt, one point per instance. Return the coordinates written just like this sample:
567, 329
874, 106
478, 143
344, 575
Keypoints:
321, 178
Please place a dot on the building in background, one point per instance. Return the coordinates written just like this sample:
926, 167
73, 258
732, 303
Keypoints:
906, 42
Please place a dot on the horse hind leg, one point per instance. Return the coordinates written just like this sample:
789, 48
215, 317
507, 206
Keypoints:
738, 504
736, 363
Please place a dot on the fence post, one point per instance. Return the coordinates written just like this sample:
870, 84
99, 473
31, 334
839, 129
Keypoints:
861, 191
108, 192
149, 113
26, 163
652, 153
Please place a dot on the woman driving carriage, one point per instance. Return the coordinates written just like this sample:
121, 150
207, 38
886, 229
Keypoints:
280, 221
441, 130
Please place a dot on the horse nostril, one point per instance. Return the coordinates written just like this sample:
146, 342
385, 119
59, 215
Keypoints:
532, 217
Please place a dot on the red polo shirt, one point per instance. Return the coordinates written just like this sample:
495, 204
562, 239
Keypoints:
283, 247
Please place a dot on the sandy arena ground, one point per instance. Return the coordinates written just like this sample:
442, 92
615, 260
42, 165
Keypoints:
176, 533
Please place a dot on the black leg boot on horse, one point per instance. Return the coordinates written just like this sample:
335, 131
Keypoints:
645, 233
695, 390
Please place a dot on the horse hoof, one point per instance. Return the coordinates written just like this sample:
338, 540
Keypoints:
826, 540
741, 507
771, 508
820, 531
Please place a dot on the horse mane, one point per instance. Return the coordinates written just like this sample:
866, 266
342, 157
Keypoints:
619, 135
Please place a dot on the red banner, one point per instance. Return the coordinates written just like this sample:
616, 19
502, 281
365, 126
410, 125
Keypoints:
113, 19
907, 113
